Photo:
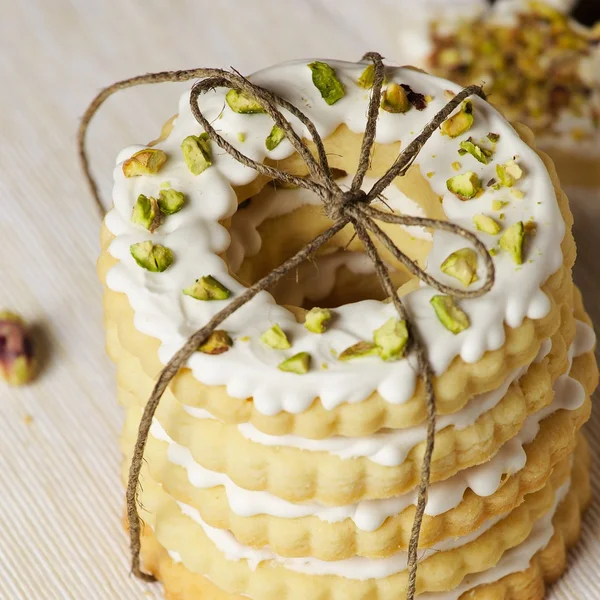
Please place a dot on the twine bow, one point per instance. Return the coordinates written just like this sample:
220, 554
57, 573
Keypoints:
343, 207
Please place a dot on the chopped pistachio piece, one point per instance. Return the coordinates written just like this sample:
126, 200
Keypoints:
449, 314
465, 186
456, 166
299, 364
146, 213
276, 136
145, 162
316, 319
461, 122
326, 81
241, 136
17, 360
509, 173
512, 241
196, 153
275, 338
486, 224
498, 205
394, 99
240, 103
493, 137
518, 194
461, 265
152, 257
367, 78
170, 201
391, 339
207, 288
217, 342
360, 350
493, 251
478, 152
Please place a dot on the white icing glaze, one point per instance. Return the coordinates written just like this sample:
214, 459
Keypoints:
197, 238
357, 567
484, 480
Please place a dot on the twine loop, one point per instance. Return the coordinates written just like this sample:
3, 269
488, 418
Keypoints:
343, 207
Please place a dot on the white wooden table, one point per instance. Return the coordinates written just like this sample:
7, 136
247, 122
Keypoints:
60, 496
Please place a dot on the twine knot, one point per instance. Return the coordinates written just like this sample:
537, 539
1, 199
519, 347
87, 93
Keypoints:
337, 206
343, 208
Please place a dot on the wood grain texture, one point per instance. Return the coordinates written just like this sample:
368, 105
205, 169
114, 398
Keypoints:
61, 500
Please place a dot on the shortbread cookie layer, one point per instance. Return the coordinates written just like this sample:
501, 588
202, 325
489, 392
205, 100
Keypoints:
520, 577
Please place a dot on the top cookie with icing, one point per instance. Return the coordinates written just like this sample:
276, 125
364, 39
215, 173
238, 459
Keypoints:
211, 245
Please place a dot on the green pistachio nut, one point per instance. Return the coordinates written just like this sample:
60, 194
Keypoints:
461, 122
146, 213
509, 173
196, 153
486, 224
298, 364
240, 103
17, 360
449, 314
316, 319
152, 257
217, 342
207, 288
461, 265
170, 201
145, 162
275, 138
275, 338
360, 350
493, 137
367, 78
465, 186
512, 241
478, 152
391, 339
394, 99
325, 80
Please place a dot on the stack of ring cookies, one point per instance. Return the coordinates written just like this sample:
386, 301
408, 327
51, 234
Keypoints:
283, 461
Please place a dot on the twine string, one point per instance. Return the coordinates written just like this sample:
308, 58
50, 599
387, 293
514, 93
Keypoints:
343, 207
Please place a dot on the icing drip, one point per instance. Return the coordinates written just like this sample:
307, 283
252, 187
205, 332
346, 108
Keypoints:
352, 568
515, 560
197, 240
